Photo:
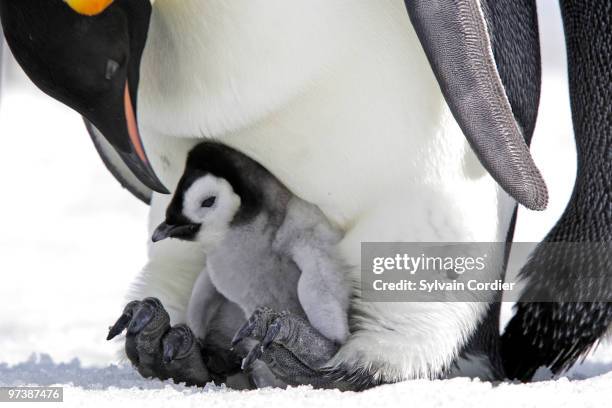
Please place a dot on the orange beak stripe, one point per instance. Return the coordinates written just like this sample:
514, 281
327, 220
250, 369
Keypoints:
132, 125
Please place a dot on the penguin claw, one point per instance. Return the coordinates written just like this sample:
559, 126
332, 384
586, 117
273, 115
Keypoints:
284, 337
177, 343
262, 325
272, 333
257, 325
243, 333
254, 355
124, 320
141, 319
120, 325
170, 352
158, 350
257, 352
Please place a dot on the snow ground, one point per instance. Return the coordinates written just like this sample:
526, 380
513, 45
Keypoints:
120, 384
68, 251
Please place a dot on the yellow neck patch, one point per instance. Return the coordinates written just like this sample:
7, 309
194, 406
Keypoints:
89, 7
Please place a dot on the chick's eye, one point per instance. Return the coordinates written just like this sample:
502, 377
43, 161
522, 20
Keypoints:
209, 202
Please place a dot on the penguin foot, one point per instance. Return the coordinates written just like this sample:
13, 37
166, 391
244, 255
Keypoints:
158, 350
293, 350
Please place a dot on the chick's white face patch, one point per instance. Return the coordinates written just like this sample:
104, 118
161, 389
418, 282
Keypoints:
211, 202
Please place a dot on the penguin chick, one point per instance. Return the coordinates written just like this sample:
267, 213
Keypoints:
266, 249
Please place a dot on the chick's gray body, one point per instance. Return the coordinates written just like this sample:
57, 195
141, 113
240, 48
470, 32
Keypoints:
285, 261
251, 274
283, 256
273, 272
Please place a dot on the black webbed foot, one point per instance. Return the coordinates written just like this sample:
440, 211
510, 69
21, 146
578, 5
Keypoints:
158, 350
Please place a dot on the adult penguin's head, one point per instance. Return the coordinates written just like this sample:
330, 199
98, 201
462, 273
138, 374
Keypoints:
86, 54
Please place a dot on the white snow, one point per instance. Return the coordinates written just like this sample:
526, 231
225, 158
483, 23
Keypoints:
72, 240
120, 385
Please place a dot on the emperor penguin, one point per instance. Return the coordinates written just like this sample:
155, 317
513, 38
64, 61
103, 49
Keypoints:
268, 253
399, 126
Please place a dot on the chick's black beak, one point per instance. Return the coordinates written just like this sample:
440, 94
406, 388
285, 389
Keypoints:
185, 232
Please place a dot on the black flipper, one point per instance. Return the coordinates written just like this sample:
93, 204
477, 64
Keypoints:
556, 335
117, 167
455, 37
515, 39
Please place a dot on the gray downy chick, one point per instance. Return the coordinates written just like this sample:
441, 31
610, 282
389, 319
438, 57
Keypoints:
268, 251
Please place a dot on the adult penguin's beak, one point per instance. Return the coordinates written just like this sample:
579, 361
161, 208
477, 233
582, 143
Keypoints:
86, 54
117, 121
121, 104
456, 39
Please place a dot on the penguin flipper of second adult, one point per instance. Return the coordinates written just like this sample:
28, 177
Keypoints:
457, 42
116, 166
574, 263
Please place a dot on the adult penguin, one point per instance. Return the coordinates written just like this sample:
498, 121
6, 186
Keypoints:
566, 308
300, 86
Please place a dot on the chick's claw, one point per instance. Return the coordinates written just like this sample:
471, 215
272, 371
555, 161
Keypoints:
254, 355
257, 352
273, 331
256, 326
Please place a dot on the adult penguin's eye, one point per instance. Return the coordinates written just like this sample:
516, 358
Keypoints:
209, 202
112, 67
